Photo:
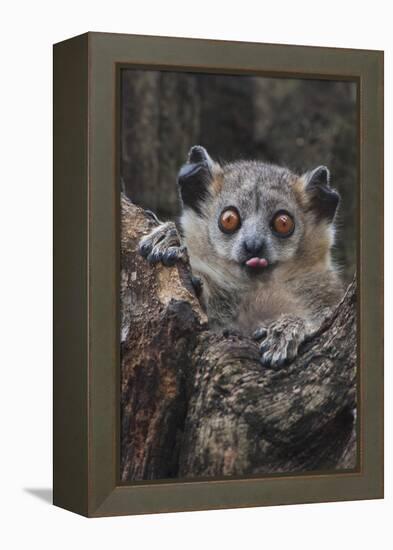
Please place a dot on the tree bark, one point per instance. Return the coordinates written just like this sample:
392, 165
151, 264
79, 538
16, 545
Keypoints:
197, 404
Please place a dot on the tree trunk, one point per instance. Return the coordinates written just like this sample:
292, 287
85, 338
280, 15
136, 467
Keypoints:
198, 403
159, 122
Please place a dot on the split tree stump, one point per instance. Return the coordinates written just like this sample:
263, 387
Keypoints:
195, 403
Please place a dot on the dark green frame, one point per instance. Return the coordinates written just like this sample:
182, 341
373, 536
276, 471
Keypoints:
86, 264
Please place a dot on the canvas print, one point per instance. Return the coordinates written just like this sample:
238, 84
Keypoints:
238, 251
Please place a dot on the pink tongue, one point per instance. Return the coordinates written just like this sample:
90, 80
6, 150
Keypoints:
257, 262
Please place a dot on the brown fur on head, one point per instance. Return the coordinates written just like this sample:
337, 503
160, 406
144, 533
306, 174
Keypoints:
257, 193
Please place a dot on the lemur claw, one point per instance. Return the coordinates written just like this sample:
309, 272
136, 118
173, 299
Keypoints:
153, 216
281, 340
197, 283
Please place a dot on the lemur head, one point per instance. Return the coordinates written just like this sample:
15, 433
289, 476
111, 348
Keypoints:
249, 217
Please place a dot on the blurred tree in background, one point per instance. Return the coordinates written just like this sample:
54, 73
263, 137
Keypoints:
296, 123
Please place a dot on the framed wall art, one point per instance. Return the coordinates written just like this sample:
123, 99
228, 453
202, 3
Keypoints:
218, 274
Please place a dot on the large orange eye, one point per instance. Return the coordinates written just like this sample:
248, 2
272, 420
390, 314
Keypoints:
229, 221
283, 224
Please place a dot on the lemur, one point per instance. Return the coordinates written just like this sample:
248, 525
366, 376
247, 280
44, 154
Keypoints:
259, 237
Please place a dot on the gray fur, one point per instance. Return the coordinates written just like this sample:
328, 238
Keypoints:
284, 302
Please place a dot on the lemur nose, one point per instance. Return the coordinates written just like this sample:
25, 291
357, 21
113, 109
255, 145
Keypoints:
254, 245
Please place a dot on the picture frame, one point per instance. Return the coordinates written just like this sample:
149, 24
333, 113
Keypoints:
87, 262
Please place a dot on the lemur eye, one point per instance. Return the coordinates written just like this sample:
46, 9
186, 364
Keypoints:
283, 224
229, 221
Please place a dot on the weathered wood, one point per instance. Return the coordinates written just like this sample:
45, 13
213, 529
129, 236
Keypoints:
244, 419
160, 320
198, 403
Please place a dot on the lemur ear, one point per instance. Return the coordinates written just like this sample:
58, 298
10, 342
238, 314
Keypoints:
195, 177
323, 199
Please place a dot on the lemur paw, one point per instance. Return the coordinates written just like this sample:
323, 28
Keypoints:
281, 340
163, 244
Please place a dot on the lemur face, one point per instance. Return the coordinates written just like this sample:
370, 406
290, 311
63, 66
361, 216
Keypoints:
250, 214
257, 220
